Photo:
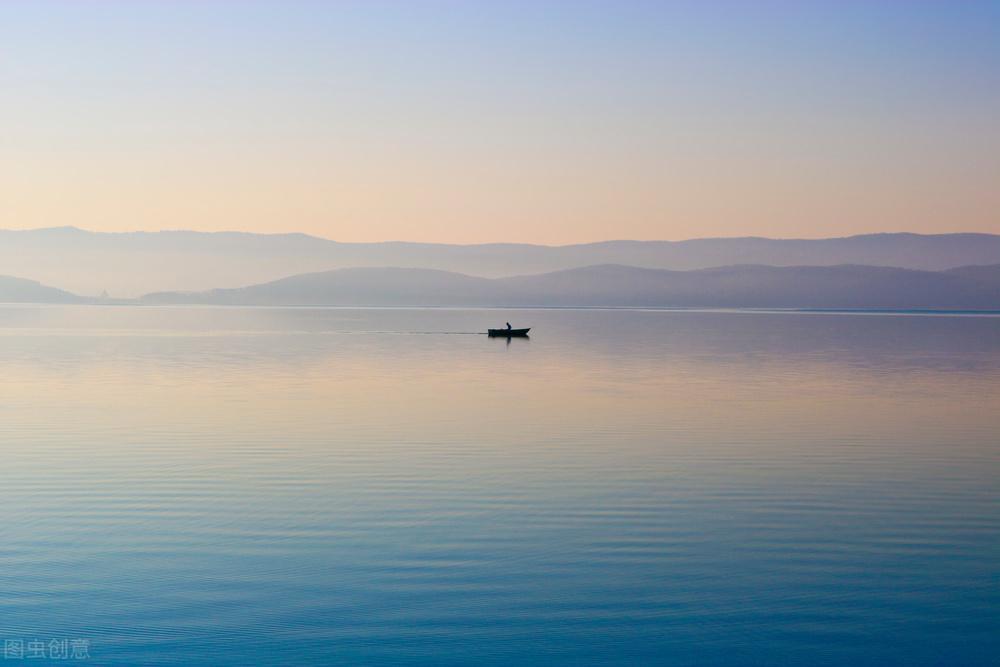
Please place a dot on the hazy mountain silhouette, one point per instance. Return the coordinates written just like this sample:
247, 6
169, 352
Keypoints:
130, 264
985, 276
19, 290
747, 286
353, 287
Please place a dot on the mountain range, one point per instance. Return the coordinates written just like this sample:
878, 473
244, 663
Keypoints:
135, 263
746, 286
881, 271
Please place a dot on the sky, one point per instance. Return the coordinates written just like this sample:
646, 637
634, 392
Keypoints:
471, 122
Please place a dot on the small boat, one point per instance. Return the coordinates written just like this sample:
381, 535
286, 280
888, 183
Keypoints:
509, 333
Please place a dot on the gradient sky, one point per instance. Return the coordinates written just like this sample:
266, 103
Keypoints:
547, 122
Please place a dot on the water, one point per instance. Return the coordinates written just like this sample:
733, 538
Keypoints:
332, 486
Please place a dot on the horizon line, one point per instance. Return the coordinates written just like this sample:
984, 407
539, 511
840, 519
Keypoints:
74, 228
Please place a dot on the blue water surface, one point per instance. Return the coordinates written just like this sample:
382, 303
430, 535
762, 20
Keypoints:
237, 486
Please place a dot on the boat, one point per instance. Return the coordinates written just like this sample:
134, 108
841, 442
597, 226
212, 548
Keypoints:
509, 333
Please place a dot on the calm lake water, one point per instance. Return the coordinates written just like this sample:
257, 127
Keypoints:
337, 486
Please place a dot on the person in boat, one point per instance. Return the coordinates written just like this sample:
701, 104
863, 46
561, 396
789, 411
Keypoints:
508, 326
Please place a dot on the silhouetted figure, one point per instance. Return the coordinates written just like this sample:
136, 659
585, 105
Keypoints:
508, 326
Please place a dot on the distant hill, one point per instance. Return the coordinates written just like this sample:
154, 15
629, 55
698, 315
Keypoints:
19, 290
352, 287
987, 277
130, 264
746, 286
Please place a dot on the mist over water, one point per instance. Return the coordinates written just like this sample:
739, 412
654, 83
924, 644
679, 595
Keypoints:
388, 486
